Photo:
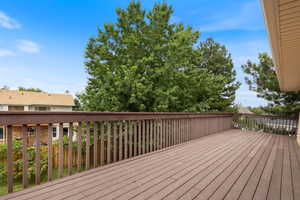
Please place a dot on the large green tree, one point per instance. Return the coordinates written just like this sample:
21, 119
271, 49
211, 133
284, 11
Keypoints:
262, 79
214, 57
144, 62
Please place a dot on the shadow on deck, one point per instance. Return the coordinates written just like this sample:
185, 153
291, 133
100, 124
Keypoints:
229, 165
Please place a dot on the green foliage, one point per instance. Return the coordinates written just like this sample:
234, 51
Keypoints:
215, 57
30, 89
18, 162
77, 103
257, 110
262, 79
145, 63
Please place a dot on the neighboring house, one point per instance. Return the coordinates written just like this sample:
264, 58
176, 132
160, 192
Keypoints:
12, 100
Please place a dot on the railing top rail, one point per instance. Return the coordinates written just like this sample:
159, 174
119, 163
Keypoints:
41, 117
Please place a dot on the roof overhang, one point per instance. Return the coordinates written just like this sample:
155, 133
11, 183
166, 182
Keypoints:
282, 18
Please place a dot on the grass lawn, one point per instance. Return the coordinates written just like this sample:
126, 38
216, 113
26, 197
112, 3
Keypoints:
18, 185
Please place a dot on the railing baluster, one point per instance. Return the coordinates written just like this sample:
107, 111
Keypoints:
140, 137
176, 131
102, 148
87, 145
70, 149
135, 140
50, 165
37, 155
163, 133
289, 126
190, 129
120, 141
9, 157
151, 135
180, 132
160, 134
155, 135
25, 157
143, 137
185, 129
61, 151
130, 135
147, 136
108, 150
79, 146
115, 137
169, 132
125, 139
95, 153
166, 133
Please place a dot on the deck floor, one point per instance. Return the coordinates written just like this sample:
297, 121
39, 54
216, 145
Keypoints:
229, 165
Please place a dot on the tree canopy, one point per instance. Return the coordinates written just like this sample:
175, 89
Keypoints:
30, 89
143, 62
262, 79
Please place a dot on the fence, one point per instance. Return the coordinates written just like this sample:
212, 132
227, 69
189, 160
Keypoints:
103, 138
266, 123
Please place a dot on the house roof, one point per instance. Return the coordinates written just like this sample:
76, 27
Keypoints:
14, 97
283, 22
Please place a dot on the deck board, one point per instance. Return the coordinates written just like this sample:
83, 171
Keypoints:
230, 165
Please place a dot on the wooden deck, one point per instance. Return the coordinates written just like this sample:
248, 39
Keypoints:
229, 165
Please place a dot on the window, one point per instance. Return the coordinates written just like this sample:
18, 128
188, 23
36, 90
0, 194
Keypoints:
1, 134
15, 108
65, 131
31, 131
54, 132
41, 108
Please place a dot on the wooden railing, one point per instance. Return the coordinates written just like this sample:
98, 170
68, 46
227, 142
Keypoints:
266, 123
97, 139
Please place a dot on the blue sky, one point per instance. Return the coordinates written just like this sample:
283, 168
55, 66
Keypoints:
42, 42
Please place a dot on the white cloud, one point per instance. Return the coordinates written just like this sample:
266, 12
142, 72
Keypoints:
28, 46
247, 17
4, 52
8, 22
